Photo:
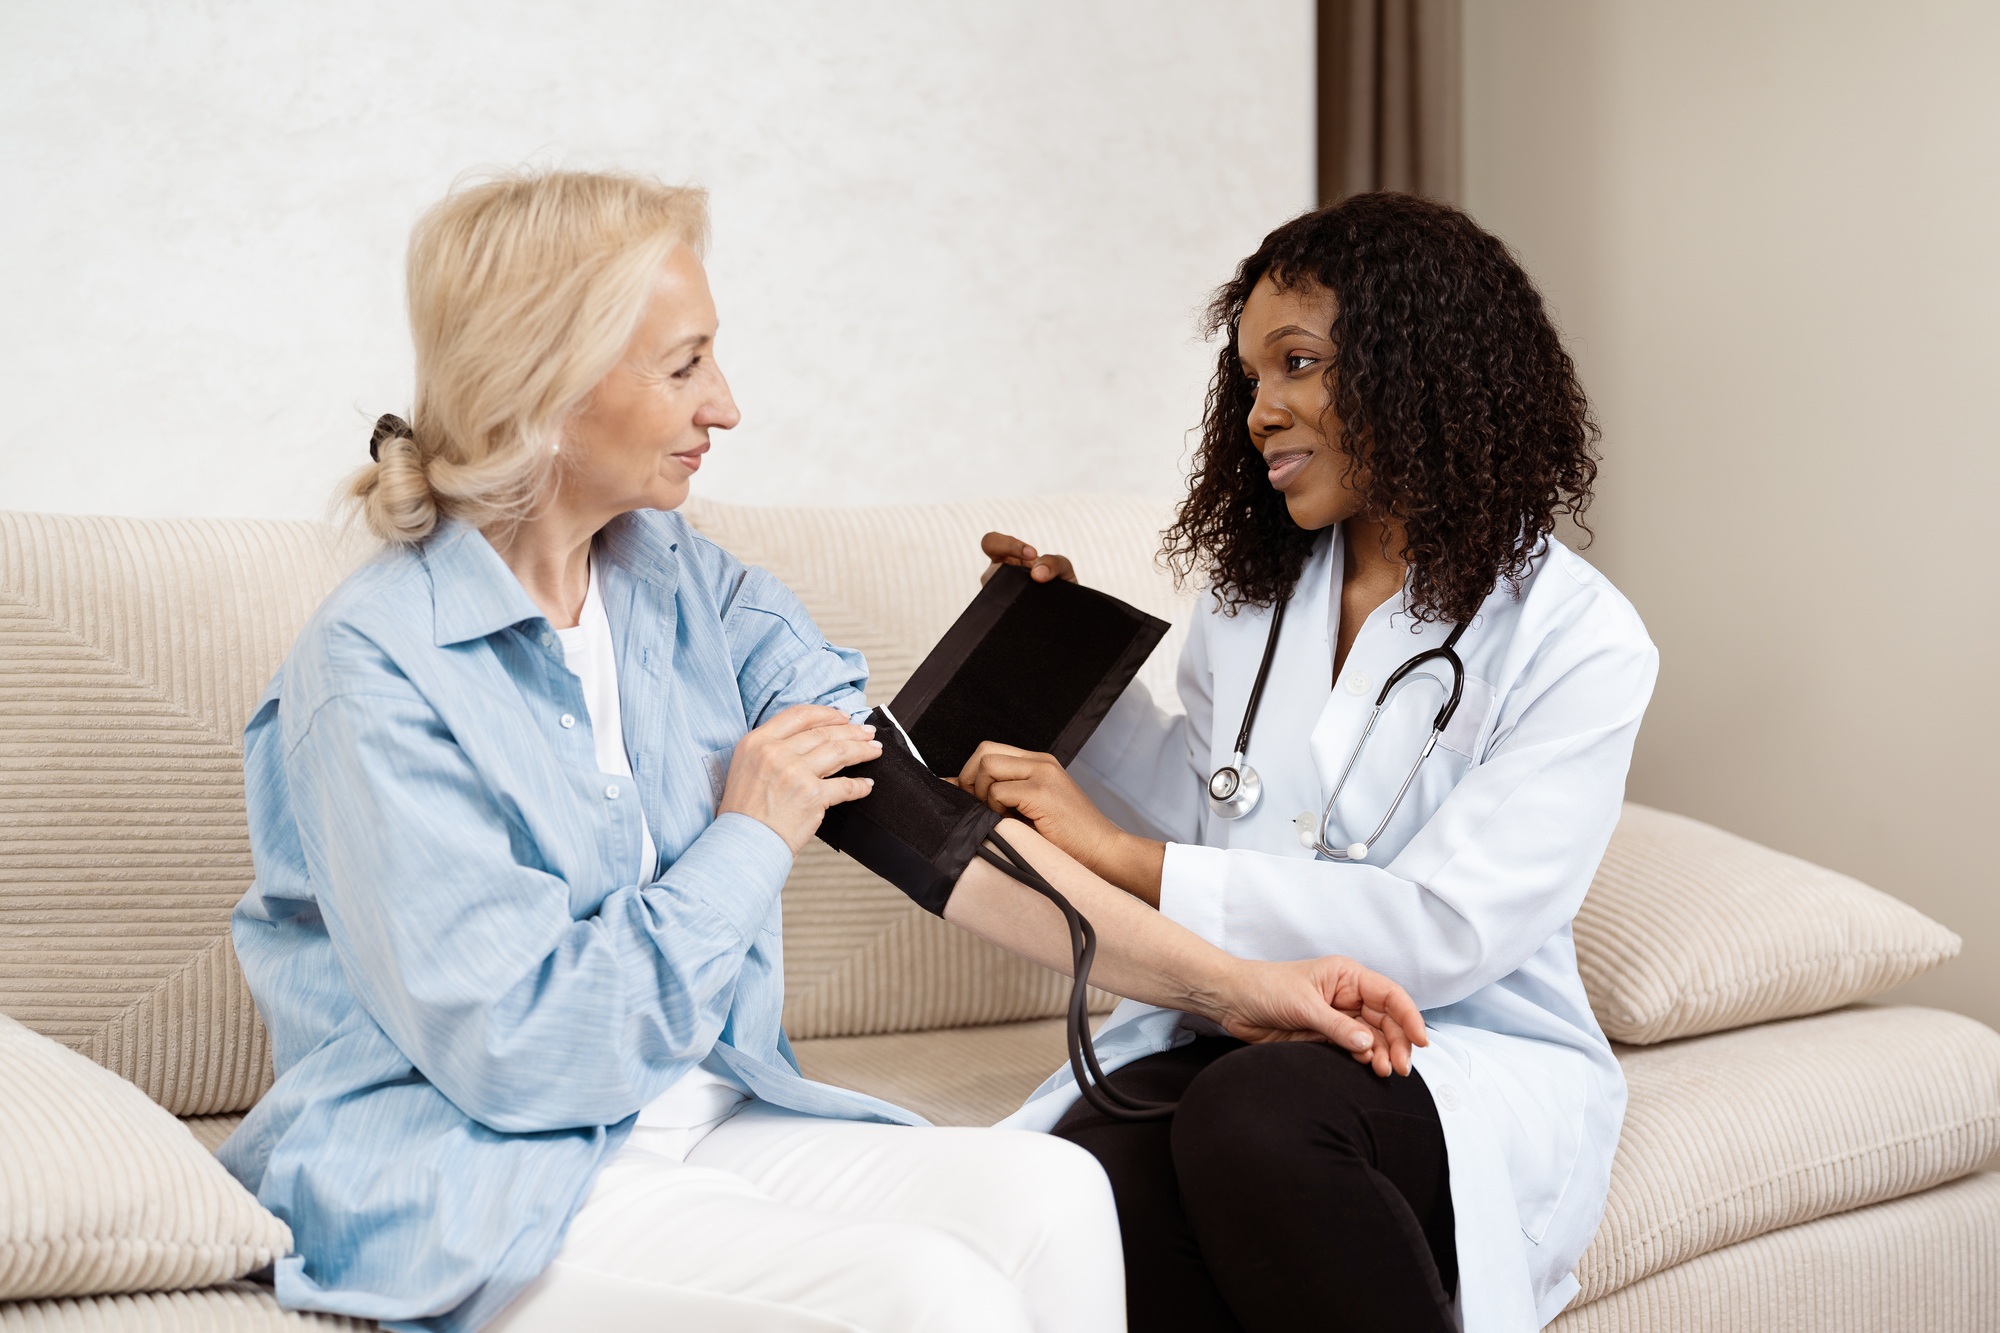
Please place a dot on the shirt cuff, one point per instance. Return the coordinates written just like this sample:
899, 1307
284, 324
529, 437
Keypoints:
1192, 880
741, 864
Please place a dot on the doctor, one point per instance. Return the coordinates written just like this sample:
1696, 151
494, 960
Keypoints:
1392, 430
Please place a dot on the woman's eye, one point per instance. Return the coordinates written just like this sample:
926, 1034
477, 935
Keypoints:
687, 369
1298, 361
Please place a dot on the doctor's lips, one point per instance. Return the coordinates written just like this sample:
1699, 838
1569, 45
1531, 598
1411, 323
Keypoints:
1285, 464
691, 459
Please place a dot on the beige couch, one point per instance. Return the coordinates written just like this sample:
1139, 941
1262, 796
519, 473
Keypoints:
1790, 1160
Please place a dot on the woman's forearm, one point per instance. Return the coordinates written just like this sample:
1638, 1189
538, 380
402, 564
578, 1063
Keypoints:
1140, 954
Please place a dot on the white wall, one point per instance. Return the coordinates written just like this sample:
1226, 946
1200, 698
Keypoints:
1769, 231
958, 247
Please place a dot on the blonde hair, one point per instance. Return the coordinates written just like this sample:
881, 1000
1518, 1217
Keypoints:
523, 293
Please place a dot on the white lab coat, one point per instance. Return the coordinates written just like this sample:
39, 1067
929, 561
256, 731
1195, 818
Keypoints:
1466, 899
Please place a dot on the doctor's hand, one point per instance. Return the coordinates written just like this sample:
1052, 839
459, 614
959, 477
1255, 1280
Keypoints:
1034, 787
1330, 999
1000, 549
782, 773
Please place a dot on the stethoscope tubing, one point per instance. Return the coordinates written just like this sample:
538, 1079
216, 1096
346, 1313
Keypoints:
1241, 790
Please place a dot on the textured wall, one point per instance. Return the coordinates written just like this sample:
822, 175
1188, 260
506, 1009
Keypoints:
959, 248
1768, 230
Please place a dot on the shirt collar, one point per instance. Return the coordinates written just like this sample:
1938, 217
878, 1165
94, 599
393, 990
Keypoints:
474, 594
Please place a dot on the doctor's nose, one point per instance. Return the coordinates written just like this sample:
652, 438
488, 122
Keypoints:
1267, 418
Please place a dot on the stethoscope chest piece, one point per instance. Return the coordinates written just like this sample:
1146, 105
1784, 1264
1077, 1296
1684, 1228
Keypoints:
1234, 789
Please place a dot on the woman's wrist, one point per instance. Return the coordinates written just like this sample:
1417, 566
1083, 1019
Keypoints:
1212, 988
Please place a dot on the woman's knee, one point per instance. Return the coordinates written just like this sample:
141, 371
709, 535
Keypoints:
1028, 1193
1255, 1108
914, 1279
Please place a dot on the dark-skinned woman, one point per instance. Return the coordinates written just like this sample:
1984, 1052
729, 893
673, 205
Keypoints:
1392, 432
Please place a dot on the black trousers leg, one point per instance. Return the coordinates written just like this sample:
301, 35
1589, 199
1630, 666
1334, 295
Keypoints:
1293, 1189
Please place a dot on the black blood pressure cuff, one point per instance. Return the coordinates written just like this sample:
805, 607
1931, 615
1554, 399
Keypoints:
1031, 665
915, 829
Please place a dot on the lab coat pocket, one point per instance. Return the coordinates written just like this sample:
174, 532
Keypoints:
1539, 1095
1468, 723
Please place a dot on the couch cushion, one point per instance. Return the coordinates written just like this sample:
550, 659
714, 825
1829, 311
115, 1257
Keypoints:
959, 1076
131, 653
859, 957
1726, 1137
236, 1307
106, 1192
1688, 929
1926, 1263
1734, 1135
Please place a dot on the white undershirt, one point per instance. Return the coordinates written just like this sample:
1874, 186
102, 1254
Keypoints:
707, 1092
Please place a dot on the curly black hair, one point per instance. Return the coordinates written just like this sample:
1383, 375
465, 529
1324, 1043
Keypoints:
1448, 383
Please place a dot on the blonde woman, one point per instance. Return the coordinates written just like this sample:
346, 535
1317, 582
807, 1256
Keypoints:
522, 800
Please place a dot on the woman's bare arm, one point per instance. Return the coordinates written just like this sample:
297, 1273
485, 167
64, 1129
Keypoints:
1145, 956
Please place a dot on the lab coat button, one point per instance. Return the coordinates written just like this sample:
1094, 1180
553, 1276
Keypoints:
568, 720
611, 792
1358, 682
1447, 1098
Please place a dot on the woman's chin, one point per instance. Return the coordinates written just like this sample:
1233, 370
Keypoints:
1313, 512
665, 494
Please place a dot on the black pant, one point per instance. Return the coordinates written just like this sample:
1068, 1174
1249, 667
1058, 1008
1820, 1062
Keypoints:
1293, 1189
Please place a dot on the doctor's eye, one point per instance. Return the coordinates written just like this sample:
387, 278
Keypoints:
1298, 361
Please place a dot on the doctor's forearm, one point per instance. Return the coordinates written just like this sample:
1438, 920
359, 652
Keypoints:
1140, 954
1135, 864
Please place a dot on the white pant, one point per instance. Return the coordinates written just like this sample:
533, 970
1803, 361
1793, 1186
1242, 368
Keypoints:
778, 1222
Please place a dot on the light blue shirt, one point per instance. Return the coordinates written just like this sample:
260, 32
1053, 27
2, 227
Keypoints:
470, 985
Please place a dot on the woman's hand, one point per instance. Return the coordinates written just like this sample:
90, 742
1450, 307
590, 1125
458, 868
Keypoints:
781, 774
1001, 550
1034, 787
1329, 999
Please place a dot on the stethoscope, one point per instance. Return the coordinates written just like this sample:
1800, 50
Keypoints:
1234, 789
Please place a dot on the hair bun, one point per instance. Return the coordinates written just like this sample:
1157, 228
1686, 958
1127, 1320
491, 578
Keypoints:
388, 426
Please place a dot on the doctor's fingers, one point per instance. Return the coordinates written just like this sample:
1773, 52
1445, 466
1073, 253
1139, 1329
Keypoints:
993, 762
1001, 548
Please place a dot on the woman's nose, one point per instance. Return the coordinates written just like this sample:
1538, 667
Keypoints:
720, 410
1266, 416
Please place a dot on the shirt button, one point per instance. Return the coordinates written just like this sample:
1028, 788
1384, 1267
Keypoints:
1358, 682
548, 641
568, 720
1447, 1097
611, 792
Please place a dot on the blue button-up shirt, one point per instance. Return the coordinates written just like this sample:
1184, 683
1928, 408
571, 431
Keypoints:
471, 983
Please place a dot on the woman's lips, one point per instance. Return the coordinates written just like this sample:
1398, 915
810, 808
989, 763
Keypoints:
1282, 467
691, 460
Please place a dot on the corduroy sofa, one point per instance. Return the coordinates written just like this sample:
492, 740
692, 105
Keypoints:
1791, 1160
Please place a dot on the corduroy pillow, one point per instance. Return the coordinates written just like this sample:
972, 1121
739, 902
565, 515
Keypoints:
1739, 1134
1688, 929
102, 1191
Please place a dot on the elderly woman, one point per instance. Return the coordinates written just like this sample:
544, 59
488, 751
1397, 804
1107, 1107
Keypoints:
522, 800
